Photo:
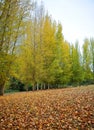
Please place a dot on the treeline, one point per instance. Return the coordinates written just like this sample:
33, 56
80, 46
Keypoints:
33, 52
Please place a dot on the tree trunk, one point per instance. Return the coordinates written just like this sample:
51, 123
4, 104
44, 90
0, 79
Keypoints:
33, 87
2, 84
37, 86
26, 87
48, 85
93, 66
44, 86
1, 90
57, 85
41, 86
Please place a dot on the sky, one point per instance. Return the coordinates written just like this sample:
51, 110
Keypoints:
76, 17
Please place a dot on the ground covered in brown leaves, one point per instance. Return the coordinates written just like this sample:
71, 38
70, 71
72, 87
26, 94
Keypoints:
60, 109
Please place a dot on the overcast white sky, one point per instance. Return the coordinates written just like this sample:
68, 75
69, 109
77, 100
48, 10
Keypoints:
76, 16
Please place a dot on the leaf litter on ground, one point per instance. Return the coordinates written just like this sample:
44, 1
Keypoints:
58, 109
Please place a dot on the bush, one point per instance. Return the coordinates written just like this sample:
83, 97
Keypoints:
15, 85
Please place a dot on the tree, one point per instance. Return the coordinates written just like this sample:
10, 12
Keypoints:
92, 55
66, 63
87, 60
31, 48
77, 73
48, 50
12, 13
59, 42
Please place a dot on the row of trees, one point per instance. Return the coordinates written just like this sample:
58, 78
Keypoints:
34, 51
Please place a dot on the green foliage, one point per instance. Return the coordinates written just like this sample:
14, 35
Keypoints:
12, 15
92, 55
13, 85
87, 60
77, 71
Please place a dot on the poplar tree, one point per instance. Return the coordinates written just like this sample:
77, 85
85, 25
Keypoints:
66, 63
92, 55
77, 71
12, 13
87, 60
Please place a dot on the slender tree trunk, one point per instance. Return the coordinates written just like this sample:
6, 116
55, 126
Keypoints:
27, 88
33, 87
44, 86
57, 85
41, 87
5, 25
48, 85
15, 41
93, 66
37, 86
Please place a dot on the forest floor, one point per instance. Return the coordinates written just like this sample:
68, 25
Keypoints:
58, 109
